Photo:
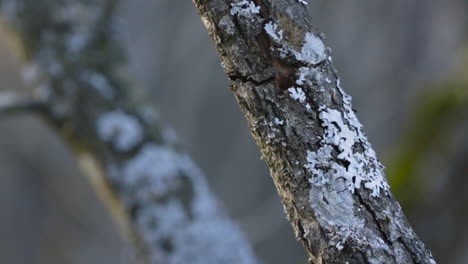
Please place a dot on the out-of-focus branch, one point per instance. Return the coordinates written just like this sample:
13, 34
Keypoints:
163, 201
328, 176
13, 103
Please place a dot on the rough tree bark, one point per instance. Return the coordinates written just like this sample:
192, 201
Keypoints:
74, 61
330, 181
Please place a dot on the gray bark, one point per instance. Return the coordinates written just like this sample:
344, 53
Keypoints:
162, 200
331, 183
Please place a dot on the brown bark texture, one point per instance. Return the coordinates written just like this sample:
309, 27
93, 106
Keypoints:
330, 181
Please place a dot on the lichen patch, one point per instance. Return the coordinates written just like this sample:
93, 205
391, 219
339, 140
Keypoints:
343, 133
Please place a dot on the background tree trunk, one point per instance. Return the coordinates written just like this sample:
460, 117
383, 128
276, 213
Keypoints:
332, 186
161, 198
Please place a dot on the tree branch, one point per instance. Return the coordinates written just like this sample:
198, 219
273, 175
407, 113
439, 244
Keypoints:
330, 181
13, 103
160, 197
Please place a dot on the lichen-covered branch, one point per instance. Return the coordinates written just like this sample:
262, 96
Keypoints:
330, 181
74, 61
14, 103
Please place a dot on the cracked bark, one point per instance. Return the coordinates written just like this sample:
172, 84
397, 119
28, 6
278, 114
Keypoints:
331, 185
74, 61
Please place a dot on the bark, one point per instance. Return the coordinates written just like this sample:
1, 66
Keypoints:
331, 183
74, 60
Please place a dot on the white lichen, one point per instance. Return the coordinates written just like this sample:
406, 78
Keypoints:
334, 208
297, 94
101, 84
344, 132
303, 72
202, 234
279, 122
319, 166
76, 42
157, 178
155, 169
227, 25
310, 76
272, 30
313, 51
244, 8
304, 2
122, 130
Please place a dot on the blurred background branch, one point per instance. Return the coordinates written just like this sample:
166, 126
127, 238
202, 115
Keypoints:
14, 103
161, 201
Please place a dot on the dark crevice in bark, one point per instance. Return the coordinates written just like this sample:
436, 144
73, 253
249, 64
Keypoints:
374, 218
377, 222
413, 257
245, 79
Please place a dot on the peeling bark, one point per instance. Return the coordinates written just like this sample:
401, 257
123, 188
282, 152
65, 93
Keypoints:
330, 181
74, 61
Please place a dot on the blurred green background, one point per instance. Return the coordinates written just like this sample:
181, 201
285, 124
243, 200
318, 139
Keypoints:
404, 62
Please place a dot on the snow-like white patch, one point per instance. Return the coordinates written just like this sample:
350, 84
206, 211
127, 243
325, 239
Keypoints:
161, 219
159, 178
343, 132
303, 72
297, 94
101, 84
201, 234
278, 121
313, 51
334, 208
304, 2
154, 166
309, 74
244, 8
272, 30
76, 42
122, 130
317, 161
